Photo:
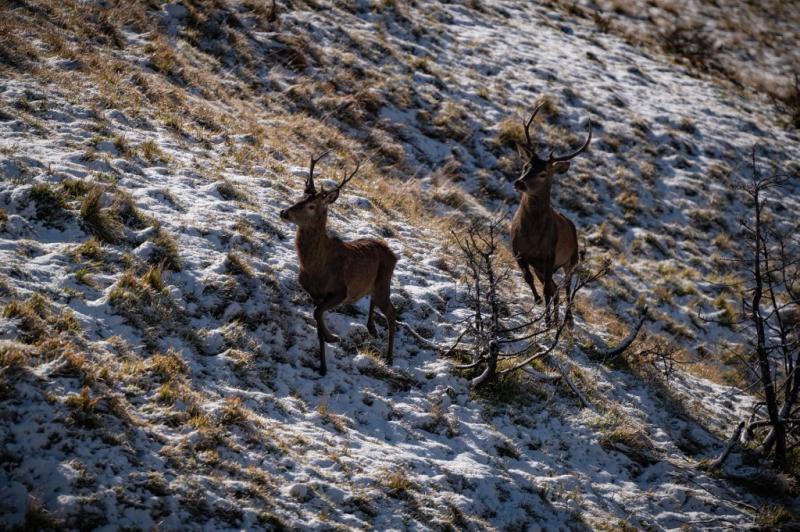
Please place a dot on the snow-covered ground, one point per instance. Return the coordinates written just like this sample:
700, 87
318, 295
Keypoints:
137, 393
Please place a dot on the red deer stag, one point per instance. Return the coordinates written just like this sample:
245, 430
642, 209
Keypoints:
333, 271
541, 237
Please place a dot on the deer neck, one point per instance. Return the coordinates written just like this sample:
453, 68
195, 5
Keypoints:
536, 206
313, 245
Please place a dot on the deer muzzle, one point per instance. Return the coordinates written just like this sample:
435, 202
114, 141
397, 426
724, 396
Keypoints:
285, 214
519, 185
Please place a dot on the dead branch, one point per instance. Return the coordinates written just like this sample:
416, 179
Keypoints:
565, 377
626, 343
718, 461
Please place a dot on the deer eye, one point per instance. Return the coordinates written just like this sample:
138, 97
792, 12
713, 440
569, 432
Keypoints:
311, 207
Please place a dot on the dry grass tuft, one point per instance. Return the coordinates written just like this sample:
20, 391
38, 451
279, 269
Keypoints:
104, 223
92, 250
168, 366
337, 421
236, 264
621, 432
83, 407
50, 204
75, 188
233, 412
163, 58
16, 50
451, 121
140, 302
397, 483
13, 355
166, 249
510, 132
230, 191
128, 213
152, 153
31, 316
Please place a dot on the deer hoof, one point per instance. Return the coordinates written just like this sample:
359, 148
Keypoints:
371, 329
322, 371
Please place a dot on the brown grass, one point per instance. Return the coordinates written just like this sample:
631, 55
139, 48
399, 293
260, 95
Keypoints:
102, 222
31, 316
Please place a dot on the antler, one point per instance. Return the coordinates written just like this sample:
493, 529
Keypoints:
346, 178
568, 156
310, 189
528, 141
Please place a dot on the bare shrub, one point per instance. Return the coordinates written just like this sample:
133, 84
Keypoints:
789, 102
770, 251
690, 43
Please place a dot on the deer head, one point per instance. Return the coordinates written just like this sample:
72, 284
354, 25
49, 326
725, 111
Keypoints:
313, 208
537, 173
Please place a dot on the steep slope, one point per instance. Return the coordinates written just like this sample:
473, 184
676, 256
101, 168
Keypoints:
158, 361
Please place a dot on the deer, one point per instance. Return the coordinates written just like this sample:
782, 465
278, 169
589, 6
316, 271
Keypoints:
542, 238
333, 271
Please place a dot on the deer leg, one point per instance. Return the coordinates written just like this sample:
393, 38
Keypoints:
568, 289
370, 317
526, 274
557, 294
556, 301
328, 304
382, 300
549, 291
323, 334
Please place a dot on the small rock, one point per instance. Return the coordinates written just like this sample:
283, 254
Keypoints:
175, 293
361, 203
233, 310
144, 251
336, 495
214, 342
8, 330
175, 11
117, 116
298, 491
18, 226
444, 401
107, 146
10, 169
363, 362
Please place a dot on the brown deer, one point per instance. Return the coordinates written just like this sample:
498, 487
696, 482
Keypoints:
541, 237
333, 271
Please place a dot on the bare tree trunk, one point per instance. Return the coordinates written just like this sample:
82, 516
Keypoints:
761, 344
494, 347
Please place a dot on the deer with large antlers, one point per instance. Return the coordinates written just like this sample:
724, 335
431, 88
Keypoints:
541, 237
333, 271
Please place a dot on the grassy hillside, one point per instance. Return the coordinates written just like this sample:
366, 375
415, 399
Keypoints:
158, 355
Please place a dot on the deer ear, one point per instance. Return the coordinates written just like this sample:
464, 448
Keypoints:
560, 167
331, 196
